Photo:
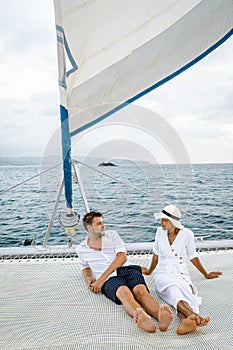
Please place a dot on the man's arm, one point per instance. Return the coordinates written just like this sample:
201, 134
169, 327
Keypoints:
88, 275
120, 259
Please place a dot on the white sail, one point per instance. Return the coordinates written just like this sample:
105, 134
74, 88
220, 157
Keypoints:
118, 50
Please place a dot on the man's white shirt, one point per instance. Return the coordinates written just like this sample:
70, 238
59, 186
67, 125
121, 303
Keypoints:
99, 261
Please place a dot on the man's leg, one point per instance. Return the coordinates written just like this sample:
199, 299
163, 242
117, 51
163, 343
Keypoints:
162, 312
131, 305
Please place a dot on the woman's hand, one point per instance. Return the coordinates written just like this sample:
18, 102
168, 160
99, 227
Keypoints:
145, 270
213, 274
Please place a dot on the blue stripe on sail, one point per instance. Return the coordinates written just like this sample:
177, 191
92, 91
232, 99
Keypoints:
161, 82
68, 52
66, 155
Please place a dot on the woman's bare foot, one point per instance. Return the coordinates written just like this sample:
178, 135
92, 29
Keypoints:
187, 325
143, 320
201, 321
165, 317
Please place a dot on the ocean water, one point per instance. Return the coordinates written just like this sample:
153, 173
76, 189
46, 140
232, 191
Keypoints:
128, 197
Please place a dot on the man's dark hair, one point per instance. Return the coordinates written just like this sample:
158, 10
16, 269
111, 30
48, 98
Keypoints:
88, 218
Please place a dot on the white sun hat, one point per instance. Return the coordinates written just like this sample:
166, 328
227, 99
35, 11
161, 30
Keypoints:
172, 213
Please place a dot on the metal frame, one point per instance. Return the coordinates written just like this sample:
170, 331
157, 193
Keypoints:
83, 194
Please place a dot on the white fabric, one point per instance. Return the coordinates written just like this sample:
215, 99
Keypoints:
98, 261
171, 278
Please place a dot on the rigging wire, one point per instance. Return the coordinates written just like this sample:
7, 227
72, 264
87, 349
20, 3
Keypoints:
126, 183
29, 179
149, 195
116, 179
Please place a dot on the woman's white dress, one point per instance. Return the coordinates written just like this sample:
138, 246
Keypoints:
171, 276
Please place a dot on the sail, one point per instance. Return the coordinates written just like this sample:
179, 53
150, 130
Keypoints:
112, 52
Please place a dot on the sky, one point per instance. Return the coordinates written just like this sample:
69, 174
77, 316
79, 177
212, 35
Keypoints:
197, 104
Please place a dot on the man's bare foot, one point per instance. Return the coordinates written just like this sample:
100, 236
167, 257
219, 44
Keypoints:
201, 321
187, 325
165, 317
143, 320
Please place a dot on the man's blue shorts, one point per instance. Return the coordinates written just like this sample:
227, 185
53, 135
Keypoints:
129, 276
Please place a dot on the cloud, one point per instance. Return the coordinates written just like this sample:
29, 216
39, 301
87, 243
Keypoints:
204, 89
29, 97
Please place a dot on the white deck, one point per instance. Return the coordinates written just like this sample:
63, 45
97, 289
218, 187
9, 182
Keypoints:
45, 304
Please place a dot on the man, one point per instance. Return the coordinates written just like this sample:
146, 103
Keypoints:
105, 267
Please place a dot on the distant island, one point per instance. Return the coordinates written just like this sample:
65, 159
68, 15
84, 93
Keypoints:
18, 161
107, 164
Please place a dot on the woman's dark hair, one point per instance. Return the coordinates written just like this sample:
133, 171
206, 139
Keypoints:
88, 218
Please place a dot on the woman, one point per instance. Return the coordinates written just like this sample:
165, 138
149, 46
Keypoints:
174, 245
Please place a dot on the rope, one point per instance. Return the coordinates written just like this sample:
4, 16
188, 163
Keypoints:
209, 223
149, 195
117, 180
29, 179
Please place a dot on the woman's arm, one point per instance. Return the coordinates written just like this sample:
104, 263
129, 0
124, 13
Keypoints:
197, 263
153, 265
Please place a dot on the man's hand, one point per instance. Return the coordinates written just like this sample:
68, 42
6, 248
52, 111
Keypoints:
96, 286
90, 281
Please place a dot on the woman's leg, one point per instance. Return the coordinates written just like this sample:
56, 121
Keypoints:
189, 320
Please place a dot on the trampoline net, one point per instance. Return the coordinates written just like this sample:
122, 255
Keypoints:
45, 304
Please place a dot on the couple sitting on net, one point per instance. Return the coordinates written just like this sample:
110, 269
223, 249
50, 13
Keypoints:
103, 260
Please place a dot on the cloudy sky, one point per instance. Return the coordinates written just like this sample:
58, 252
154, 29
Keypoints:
197, 104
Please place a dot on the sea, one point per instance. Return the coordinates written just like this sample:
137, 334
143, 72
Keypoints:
127, 193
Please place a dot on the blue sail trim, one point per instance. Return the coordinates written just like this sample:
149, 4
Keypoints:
161, 82
68, 52
66, 155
